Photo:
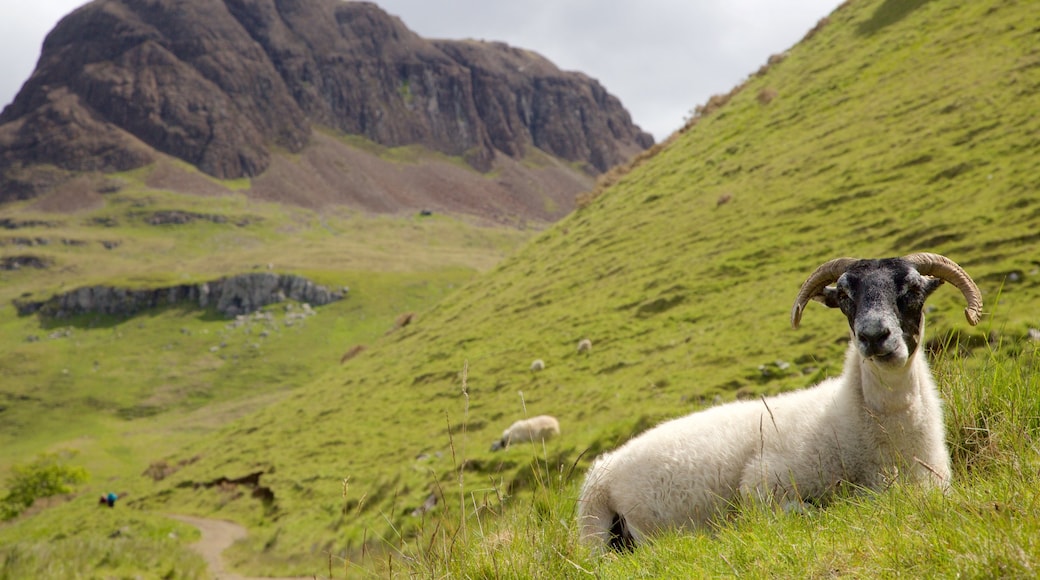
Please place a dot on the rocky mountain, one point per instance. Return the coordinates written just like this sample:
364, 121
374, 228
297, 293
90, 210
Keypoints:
228, 85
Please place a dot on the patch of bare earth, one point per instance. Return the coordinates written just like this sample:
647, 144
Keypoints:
168, 174
217, 536
78, 194
329, 173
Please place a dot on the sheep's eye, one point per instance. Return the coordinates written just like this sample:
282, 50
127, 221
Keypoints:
907, 292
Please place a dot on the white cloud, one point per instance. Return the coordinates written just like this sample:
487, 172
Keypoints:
23, 26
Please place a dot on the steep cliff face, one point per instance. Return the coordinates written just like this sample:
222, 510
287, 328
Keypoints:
222, 83
351, 66
524, 100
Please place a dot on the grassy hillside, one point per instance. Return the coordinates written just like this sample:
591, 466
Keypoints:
896, 127
122, 392
63, 372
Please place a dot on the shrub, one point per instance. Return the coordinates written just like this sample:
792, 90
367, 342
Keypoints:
45, 476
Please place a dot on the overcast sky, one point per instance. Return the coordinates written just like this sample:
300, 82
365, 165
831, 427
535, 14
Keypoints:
660, 57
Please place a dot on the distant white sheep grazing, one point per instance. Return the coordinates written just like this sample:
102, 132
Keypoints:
538, 365
880, 419
584, 345
540, 428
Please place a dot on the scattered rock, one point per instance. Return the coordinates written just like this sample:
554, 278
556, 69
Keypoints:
10, 224
38, 241
10, 263
106, 222
178, 217
28, 242
429, 504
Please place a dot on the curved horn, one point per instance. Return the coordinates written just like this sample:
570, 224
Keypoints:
948, 270
824, 275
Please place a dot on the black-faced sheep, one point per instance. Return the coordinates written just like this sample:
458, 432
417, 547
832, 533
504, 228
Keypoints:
534, 429
880, 419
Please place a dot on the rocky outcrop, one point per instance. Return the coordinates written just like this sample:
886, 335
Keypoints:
10, 224
230, 296
221, 83
41, 241
180, 218
8, 263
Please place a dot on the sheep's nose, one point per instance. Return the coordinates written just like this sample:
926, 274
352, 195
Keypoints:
873, 337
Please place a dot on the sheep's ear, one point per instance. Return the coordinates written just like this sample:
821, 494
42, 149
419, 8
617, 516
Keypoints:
931, 285
828, 296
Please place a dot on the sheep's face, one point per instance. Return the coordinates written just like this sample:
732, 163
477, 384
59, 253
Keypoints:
883, 301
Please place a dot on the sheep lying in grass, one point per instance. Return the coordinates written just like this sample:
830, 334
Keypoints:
879, 419
534, 429
584, 346
537, 365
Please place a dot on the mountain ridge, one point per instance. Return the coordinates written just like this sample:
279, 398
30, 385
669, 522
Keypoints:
226, 85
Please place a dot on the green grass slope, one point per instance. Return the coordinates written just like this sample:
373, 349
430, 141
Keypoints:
68, 378
896, 127
124, 391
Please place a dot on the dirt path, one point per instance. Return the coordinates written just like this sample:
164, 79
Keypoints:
218, 535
